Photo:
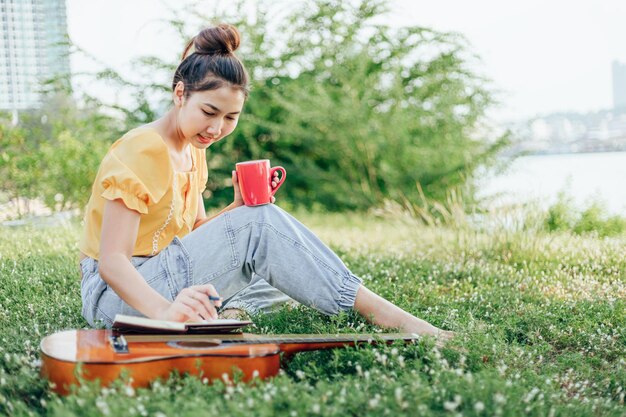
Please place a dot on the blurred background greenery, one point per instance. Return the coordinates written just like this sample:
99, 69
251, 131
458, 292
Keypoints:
360, 114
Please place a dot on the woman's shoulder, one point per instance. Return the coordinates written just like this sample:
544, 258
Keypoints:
141, 147
140, 161
141, 151
140, 140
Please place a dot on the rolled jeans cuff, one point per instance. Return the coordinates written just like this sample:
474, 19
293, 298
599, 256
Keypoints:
242, 305
348, 290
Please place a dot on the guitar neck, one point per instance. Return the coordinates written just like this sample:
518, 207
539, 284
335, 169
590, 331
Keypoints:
282, 340
291, 344
304, 339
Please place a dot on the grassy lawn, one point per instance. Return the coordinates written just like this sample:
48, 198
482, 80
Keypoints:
542, 319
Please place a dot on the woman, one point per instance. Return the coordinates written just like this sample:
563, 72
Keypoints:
148, 247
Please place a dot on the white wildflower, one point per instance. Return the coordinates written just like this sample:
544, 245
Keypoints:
373, 403
103, 406
531, 395
452, 405
129, 391
499, 398
398, 394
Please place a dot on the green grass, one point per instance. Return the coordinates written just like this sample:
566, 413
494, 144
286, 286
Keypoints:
542, 318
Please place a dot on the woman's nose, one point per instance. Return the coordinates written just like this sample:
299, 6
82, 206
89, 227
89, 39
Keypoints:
215, 128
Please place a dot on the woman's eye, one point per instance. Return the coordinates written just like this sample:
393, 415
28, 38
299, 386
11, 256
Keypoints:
206, 113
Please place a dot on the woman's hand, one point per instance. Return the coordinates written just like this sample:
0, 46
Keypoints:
238, 200
275, 182
192, 304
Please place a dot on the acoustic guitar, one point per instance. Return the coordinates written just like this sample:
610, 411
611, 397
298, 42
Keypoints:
103, 354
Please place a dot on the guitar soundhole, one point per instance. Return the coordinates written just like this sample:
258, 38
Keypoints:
194, 344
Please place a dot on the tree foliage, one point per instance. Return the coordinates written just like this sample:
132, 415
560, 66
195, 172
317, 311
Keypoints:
356, 111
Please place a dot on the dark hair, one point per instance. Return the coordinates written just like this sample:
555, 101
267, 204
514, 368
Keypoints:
212, 64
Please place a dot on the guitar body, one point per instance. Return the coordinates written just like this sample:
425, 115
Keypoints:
73, 355
61, 354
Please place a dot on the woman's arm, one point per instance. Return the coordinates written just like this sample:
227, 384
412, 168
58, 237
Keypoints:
201, 212
119, 233
120, 226
201, 217
201, 220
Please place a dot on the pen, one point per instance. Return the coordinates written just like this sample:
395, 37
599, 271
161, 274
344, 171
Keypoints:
214, 298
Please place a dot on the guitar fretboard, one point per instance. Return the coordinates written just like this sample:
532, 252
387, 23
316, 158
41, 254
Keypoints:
247, 338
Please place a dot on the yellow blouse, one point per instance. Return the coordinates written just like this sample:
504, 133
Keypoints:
137, 169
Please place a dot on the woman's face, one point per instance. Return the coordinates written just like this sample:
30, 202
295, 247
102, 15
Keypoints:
205, 117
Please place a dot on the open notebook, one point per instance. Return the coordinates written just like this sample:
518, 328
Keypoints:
133, 324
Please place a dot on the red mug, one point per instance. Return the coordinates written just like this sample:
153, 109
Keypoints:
255, 181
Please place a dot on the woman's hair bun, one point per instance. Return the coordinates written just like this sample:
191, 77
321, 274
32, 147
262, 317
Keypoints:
220, 39
208, 62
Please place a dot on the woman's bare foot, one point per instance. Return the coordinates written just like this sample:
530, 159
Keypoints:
423, 328
444, 336
385, 314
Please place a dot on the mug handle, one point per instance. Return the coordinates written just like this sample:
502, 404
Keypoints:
282, 177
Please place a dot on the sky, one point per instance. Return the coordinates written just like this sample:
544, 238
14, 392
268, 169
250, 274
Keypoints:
541, 56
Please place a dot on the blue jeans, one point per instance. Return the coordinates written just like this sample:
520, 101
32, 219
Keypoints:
255, 257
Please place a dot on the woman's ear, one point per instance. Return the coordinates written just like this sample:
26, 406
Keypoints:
179, 94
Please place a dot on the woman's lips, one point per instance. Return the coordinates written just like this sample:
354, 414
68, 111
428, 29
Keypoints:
205, 140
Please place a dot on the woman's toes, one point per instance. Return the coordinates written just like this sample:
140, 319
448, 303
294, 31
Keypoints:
444, 335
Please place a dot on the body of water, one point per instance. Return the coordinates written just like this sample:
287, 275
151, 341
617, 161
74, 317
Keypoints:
584, 177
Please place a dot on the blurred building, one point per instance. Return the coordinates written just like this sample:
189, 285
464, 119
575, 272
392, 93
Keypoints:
600, 131
619, 86
33, 49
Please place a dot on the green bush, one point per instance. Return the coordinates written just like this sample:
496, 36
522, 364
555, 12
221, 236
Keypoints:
19, 160
562, 216
595, 219
70, 168
53, 154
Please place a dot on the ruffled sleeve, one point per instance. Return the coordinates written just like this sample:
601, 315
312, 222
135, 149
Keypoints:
136, 170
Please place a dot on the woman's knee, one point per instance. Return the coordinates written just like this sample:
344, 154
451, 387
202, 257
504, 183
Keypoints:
257, 218
261, 213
